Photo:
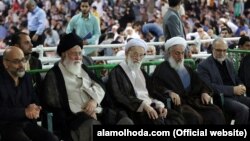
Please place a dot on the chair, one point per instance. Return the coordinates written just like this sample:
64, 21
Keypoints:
228, 118
46, 122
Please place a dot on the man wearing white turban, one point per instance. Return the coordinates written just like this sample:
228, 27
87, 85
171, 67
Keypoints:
175, 41
188, 93
129, 87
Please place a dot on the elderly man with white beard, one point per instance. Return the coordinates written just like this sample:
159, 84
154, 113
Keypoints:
218, 72
129, 88
189, 95
74, 94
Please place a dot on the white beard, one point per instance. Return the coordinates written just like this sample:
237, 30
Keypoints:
73, 67
175, 65
132, 65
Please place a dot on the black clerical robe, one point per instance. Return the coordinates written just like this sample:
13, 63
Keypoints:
55, 100
165, 79
123, 96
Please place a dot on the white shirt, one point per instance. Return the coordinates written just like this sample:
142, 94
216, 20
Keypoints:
81, 89
138, 81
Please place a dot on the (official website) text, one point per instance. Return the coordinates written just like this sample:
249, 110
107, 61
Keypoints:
173, 133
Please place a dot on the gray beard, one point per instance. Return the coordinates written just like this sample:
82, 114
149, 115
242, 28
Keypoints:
220, 59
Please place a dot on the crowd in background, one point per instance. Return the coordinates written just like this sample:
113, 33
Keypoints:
202, 19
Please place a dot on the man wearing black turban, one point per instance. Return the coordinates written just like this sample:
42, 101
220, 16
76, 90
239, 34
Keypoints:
74, 94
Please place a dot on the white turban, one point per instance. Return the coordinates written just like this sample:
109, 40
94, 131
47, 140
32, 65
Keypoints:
175, 41
135, 42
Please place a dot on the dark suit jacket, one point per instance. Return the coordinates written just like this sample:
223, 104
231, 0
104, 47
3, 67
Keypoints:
34, 64
14, 100
36, 78
210, 74
243, 72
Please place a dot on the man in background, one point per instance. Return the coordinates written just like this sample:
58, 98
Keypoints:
23, 41
36, 23
86, 26
243, 72
172, 24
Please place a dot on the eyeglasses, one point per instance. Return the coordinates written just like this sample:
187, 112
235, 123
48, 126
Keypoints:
17, 61
221, 50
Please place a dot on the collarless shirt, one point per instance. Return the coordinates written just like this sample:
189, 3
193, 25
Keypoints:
81, 89
138, 81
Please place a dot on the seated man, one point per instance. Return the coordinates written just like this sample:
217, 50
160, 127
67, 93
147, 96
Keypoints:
129, 89
243, 72
218, 72
23, 41
73, 93
18, 107
188, 93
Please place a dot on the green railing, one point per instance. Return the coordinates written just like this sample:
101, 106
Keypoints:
235, 55
145, 65
98, 68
